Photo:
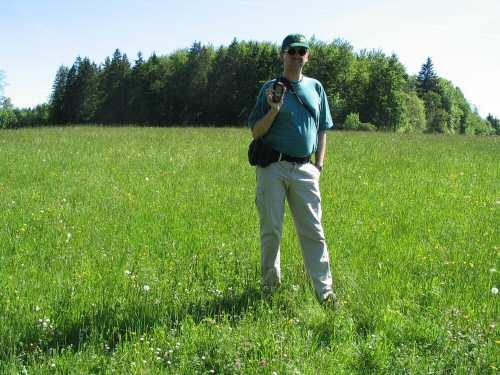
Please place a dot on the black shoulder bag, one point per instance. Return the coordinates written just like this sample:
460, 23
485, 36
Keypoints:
261, 153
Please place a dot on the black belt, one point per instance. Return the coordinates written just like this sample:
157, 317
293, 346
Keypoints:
293, 159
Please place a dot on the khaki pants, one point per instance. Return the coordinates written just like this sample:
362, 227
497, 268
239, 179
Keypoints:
299, 184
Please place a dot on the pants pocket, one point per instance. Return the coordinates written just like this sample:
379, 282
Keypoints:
313, 171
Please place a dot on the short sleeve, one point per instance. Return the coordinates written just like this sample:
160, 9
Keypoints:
325, 117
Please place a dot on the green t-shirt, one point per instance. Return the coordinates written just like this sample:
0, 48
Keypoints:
294, 131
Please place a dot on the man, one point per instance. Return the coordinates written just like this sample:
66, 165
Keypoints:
295, 127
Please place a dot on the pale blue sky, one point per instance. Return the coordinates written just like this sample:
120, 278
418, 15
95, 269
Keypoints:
461, 36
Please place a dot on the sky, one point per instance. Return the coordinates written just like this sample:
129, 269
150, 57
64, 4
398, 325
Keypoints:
461, 36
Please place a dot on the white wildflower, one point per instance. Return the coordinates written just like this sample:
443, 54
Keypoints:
146, 288
494, 290
216, 292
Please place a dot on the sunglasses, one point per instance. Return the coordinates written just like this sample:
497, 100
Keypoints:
301, 51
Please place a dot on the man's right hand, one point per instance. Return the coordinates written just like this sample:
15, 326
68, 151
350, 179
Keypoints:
262, 126
276, 106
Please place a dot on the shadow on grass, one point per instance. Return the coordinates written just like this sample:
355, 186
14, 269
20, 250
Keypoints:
112, 324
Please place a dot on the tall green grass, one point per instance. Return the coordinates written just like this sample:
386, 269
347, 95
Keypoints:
134, 250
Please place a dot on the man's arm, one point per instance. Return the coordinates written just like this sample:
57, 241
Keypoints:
262, 126
320, 151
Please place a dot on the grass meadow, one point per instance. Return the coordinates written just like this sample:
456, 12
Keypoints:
136, 250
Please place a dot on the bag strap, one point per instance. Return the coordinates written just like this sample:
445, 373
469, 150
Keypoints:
289, 86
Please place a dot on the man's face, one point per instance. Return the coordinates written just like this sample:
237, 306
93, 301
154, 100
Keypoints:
295, 57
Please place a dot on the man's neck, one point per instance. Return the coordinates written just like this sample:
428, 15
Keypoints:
293, 75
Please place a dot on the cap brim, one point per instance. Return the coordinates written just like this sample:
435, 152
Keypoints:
298, 45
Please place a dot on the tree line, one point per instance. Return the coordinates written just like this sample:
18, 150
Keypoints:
203, 85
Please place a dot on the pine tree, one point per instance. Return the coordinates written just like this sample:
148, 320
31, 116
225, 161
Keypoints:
56, 110
197, 70
71, 94
87, 83
113, 89
137, 92
427, 79
495, 123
